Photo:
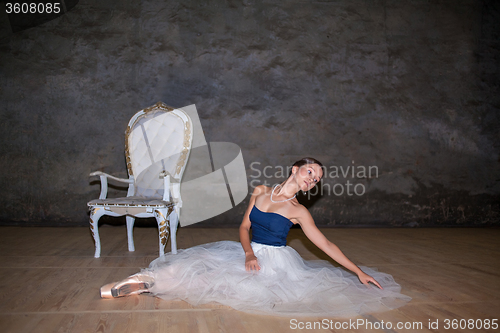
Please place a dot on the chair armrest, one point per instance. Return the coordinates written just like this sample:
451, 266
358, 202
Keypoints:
123, 180
166, 186
174, 189
104, 183
176, 194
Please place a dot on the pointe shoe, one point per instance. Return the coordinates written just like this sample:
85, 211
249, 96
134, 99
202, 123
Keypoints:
106, 290
133, 285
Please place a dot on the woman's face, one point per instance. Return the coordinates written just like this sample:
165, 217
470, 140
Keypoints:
307, 176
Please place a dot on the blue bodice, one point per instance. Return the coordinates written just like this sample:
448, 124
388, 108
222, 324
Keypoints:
269, 228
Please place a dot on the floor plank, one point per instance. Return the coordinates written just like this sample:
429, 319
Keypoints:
49, 280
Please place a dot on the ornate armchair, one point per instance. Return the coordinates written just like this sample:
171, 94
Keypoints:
157, 146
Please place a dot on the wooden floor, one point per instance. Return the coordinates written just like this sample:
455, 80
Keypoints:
49, 281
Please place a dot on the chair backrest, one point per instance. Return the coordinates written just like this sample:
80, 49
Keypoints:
158, 139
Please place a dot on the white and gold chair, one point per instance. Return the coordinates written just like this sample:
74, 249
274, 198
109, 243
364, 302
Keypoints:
157, 146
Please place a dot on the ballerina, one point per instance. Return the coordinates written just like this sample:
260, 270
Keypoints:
268, 277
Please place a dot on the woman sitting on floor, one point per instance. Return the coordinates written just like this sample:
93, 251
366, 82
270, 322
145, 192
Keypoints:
268, 277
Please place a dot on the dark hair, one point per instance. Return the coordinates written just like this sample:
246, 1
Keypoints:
307, 160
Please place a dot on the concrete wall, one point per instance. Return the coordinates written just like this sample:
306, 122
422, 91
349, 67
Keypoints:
407, 86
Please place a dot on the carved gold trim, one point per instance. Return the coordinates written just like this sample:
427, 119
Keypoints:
159, 106
162, 217
164, 226
92, 212
127, 152
132, 205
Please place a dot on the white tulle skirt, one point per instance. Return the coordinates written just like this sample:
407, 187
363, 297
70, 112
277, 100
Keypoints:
286, 285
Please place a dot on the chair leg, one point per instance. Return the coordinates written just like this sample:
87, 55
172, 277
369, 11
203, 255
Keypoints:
163, 229
95, 215
130, 232
174, 222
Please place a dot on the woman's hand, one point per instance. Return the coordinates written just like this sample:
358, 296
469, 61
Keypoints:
251, 262
365, 279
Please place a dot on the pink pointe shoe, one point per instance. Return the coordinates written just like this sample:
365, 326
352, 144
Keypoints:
133, 285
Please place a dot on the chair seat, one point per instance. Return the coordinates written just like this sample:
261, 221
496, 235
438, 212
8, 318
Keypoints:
133, 201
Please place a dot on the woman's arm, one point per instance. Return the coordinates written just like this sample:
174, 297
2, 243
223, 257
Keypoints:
312, 232
251, 262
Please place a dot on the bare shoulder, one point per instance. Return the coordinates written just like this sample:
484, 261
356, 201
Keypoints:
259, 193
300, 214
261, 189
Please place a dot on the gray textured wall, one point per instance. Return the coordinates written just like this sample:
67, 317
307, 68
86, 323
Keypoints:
410, 87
